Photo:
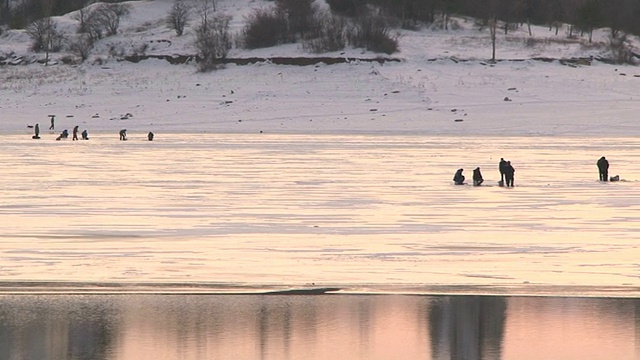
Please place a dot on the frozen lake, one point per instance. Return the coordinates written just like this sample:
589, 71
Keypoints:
363, 213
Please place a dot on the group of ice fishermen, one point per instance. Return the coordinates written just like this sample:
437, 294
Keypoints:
85, 134
507, 173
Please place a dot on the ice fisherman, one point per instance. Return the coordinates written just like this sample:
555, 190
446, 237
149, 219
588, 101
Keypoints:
85, 135
502, 166
603, 168
53, 122
458, 178
509, 172
36, 134
63, 135
123, 134
150, 136
75, 133
477, 177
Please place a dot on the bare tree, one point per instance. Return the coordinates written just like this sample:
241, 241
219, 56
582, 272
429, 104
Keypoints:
205, 9
45, 36
213, 41
179, 16
109, 15
81, 46
492, 30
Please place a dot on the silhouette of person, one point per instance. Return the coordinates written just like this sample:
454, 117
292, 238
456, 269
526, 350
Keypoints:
509, 172
501, 166
75, 133
477, 177
123, 134
63, 135
458, 178
85, 135
150, 136
53, 122
36, 132
603, 168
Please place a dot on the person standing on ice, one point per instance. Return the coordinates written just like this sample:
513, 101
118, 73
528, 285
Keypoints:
36, 134
458, 178
477, 177
502, 166
53, 122
509, 172
123, 134
75, 133
603, 169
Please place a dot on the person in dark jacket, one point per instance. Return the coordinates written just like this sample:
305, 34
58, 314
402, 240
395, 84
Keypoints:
477, 177
85, 135
603, 168
501, 167
75, 133
458, 178
150, 136
36, 134
509, 173
63, 135
123, 134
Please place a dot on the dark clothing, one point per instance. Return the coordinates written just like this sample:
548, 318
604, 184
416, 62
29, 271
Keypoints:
458, 178
509, 172
502, 166
53, 121
75, 133
85, 135
63, 135
603, 169
477, 177
150, 136
37, 132
123, 134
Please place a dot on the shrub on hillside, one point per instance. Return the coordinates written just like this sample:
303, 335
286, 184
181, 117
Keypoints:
213, 41
265, 28
350, 8
372, 33
45, 36
300, 16
331, 36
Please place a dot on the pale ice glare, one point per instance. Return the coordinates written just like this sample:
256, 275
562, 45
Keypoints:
266, 175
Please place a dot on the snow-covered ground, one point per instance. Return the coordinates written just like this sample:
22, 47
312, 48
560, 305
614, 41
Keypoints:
327, 174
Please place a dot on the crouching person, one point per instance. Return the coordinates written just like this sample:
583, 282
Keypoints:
458, 178
477, 177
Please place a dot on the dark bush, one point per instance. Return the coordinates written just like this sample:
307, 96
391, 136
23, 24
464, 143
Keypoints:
350, 8
372, 33
331, 37
265, 28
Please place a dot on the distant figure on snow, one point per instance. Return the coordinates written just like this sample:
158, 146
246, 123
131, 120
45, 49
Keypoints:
150, 136
458, 178
509, 172
36, 134
477, 177
63, 135
53, 122
615, 178
85, 135
123, 134
603, 168
502, 166
75, 133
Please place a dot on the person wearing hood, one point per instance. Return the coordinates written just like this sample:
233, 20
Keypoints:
458, 178
603, 168
477, 177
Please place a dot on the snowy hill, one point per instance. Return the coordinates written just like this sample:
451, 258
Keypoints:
442, 84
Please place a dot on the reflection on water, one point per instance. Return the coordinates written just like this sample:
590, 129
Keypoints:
317, 327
